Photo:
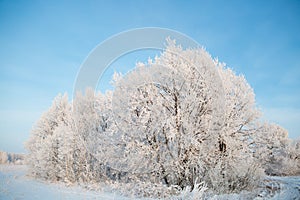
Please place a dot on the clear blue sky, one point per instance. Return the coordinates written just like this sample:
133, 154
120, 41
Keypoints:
43, 44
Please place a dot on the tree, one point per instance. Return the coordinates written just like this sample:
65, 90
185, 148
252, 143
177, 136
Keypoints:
291, 162
173, 126
66, 143
90, 122
278, 154
43, 143
3, 157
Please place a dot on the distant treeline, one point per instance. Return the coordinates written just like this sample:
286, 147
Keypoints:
11, 158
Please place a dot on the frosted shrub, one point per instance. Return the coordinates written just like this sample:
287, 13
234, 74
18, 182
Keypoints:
290, 163
277, 154
234, 176
198, 192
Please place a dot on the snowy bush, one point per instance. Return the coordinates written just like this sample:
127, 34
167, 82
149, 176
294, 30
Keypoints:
289, 162
235, 175
292, 162
277, 154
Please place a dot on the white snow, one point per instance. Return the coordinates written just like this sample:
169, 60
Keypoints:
288, 187
14, 184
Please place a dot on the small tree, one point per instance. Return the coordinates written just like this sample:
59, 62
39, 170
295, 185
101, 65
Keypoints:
43, 143
278, 154
291, 162
271, 142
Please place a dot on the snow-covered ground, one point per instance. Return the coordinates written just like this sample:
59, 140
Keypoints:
284, 187
14, 184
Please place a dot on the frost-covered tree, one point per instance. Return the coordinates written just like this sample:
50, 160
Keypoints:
174, 130
90, 121
3, 157
11, 158
291, 163
43, 145
270, 143
278, 154
65, 145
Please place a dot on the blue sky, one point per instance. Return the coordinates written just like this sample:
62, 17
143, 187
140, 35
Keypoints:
43, 44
